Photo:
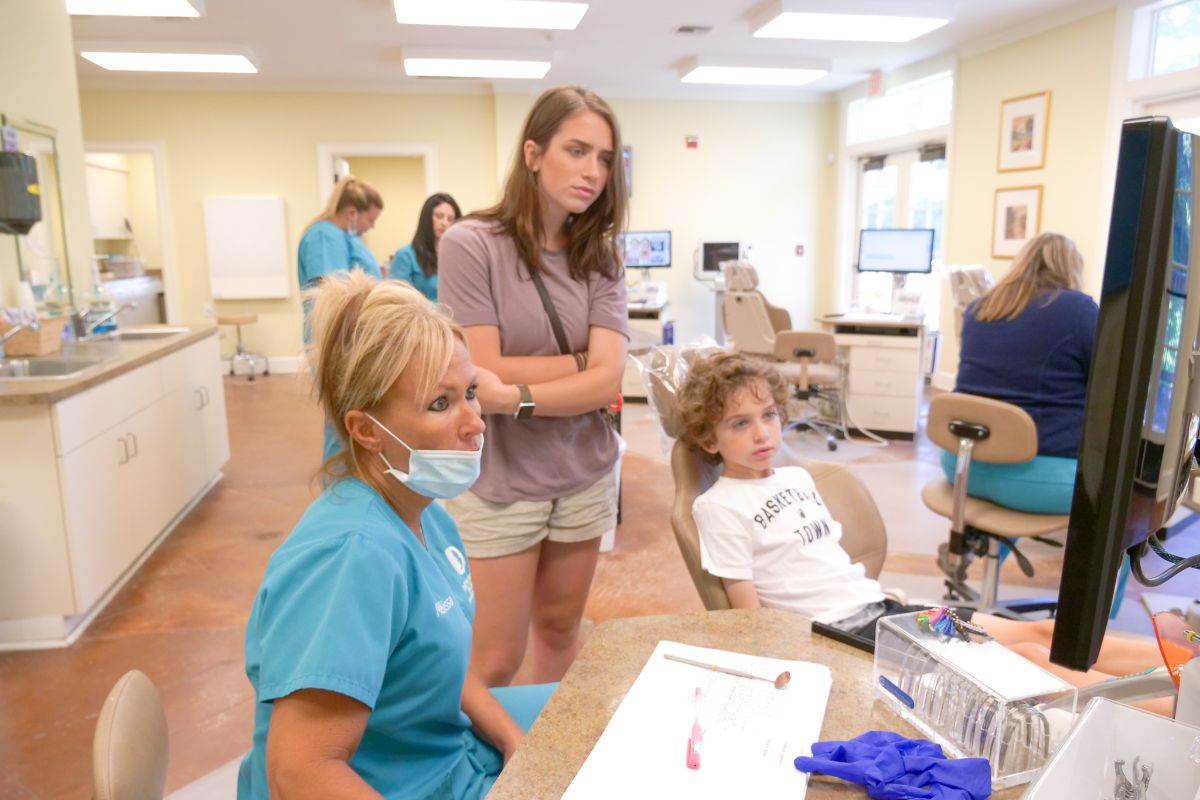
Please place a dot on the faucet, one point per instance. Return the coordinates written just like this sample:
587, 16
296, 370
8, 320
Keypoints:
13, 331
84, 327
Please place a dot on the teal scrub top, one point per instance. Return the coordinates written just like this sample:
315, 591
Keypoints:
405, 267
326, 248
352, 603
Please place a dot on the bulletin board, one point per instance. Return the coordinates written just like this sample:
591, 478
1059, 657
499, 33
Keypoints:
247, 247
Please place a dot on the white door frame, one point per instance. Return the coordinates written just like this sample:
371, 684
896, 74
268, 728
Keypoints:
327, 152
158, 151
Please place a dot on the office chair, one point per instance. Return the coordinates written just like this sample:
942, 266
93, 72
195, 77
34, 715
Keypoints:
129, 750
863, 534
807, 359
991, 431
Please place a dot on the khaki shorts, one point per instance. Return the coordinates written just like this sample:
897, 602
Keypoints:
491, 530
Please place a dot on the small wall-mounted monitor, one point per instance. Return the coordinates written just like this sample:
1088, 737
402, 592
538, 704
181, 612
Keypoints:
645, 249
900, 250
710, 257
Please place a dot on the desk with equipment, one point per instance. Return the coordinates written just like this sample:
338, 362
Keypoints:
649, 321
570, 725
884, 373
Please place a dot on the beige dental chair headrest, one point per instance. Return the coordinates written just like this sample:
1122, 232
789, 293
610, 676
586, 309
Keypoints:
741, 276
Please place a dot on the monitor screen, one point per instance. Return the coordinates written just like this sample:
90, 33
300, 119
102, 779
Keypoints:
1139, 434
645, 249
713, 254
895, 250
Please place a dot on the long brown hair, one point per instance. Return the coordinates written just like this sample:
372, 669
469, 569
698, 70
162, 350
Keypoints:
1046, 262
352, 192
591, 235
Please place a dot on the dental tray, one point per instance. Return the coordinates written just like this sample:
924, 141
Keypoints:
976, 699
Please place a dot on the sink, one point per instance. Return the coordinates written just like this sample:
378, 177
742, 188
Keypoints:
52, 367
137, 334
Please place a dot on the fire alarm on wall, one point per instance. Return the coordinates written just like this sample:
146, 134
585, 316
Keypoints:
693, 142
799, 250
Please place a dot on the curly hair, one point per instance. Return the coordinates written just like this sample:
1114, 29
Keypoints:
710, 386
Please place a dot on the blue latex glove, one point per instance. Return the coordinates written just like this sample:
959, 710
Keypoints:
892, 767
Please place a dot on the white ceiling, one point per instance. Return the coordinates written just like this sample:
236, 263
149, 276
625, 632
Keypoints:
622, 48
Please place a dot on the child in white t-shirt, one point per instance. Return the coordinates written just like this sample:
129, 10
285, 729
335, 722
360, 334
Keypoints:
766, 533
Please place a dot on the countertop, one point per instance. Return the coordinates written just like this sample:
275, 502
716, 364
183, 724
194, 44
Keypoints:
563, 735
118, 356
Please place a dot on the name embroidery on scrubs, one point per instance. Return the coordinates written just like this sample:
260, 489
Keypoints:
443, 606
469, 587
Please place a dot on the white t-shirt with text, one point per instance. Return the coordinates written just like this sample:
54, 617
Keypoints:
777, 532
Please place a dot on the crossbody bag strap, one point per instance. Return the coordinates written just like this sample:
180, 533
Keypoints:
560, 335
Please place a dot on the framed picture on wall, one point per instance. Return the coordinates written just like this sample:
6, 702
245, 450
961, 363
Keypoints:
1024, 125
1018, 218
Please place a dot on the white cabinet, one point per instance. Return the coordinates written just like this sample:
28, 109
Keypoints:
884, 379
108, 200
121, 460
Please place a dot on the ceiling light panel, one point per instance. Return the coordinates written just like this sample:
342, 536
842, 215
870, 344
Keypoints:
752, 76
136, 8
848, 27
533, 14
171, 62
475, 68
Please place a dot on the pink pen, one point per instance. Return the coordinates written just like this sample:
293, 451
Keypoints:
693, 749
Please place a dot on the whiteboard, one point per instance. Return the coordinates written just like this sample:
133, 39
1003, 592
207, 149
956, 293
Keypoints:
247, 247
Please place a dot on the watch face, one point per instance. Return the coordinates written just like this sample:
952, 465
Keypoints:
524, 411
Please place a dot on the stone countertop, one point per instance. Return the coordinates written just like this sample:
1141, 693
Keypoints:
572, 721
117, 356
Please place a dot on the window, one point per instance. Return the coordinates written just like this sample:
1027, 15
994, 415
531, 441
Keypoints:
1176, 43
915, 106
903, 190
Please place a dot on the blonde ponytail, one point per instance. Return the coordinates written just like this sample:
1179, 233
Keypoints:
352, 192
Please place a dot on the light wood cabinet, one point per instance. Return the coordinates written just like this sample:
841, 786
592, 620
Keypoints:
120, 462
884, 379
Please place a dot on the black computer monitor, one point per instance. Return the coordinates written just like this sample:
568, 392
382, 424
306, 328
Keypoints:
1139, 432
901, 250
645, 249
711, 255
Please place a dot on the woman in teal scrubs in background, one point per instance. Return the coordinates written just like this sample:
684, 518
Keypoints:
359, 640
333, 243
417, 263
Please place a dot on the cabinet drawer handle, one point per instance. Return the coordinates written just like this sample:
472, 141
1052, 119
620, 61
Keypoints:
124, 451
204, 389
133, 441
199, 398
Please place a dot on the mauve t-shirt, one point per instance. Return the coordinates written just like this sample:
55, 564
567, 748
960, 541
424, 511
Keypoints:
482, 281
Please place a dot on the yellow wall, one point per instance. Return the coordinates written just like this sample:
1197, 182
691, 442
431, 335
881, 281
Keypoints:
400, 180
759, 174
38, 84
266, 143
143, 209
1074, 63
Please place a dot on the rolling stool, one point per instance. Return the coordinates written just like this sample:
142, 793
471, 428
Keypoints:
239, 353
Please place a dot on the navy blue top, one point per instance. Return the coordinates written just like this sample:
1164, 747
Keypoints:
1038, 361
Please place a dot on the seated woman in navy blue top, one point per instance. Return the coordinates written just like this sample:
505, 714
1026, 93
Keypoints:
1029, 342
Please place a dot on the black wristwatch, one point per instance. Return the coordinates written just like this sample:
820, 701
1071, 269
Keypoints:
526, 406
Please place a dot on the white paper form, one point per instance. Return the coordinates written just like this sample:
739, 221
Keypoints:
752, 732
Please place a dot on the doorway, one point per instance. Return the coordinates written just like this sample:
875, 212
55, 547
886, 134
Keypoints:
131, 232
404, 175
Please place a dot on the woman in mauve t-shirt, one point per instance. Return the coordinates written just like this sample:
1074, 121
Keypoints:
547, 492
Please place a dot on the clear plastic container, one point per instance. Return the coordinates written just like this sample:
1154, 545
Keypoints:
976, 699
1167, 755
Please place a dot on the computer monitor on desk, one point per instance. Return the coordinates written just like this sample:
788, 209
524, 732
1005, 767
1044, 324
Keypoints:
710, 256
1137, 449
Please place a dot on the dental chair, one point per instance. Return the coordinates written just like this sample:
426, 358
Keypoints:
863, 534
806, 359
991, 431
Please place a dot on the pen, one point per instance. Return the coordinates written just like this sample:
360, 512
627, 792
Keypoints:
693, 745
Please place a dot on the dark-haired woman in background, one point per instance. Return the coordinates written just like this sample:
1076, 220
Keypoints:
417, 263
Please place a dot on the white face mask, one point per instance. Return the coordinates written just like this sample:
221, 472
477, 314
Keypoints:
440, 474
352, 229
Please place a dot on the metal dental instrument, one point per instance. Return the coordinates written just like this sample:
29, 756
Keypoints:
781, 681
